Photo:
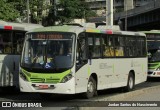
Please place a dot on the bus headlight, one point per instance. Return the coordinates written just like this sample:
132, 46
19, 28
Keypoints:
66, 78
23, 76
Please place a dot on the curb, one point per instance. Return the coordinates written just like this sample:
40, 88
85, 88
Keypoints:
122, 96
117, 97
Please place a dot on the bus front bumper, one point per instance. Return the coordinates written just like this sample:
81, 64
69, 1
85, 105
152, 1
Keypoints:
60, 88
154, 73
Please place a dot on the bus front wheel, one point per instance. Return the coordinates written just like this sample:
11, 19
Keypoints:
91, 88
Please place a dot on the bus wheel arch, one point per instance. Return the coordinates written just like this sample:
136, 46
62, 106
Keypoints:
91, 86
130, 81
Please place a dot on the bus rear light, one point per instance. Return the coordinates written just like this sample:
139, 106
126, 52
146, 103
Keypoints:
109, 32
8, 27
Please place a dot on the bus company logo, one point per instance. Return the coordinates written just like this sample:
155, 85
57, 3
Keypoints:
6, 104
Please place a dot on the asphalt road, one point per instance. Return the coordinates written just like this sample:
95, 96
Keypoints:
59, 102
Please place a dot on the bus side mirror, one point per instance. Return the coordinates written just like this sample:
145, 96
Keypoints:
90, 55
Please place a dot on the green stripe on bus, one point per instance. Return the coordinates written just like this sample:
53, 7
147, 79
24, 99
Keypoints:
89, 71
113, 68
49, 77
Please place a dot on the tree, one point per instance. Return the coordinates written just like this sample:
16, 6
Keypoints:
20, 6
39, 10
67, 10
8, 11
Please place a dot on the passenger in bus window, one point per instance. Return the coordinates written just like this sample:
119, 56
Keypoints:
109, 51
7, 49
19, 47
119, 51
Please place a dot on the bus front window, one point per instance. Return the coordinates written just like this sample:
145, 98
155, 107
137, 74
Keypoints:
48, 51
154, 51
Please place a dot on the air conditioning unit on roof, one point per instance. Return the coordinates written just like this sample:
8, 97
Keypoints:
114, 27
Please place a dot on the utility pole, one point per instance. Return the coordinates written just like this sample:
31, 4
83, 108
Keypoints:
28, 12
109, 12
128, 4
126, 19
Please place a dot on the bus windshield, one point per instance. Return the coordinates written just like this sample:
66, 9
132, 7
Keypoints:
48, 51
154, 51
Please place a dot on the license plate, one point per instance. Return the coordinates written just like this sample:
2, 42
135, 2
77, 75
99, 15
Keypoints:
43, 86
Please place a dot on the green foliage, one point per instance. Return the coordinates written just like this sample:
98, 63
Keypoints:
8, 11
67, 10
40, 11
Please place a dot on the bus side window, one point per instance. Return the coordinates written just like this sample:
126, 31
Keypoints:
1, 44
141, 46
97, 47
129, 47
90, 47
7, 43
108, 47
7, 49
18, 42
119, 46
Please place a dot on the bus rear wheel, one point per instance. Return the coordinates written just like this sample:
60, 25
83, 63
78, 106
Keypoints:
91, 88
130, 83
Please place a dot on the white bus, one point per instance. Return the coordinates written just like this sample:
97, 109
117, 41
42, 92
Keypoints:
74, 59
11, 43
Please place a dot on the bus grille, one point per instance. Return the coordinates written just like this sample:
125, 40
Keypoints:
42, 80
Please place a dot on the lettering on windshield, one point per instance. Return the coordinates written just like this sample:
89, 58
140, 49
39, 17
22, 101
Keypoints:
45, 36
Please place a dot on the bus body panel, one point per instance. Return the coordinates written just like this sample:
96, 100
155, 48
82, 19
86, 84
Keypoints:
111, 72
9, 66
16, 70
7, 72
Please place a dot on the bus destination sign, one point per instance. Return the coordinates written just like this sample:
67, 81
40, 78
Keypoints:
47, 36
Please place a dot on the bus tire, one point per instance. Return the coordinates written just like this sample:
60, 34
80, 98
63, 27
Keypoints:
91, 88
130, 83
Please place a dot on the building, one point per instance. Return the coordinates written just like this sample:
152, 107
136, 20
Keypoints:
99, 6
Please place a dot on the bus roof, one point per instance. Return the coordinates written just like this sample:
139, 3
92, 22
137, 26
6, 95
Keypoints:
78, 29
18, 26
152, 32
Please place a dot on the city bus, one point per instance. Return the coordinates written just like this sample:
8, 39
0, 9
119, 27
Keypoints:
153, 42
75, 59
11, 42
